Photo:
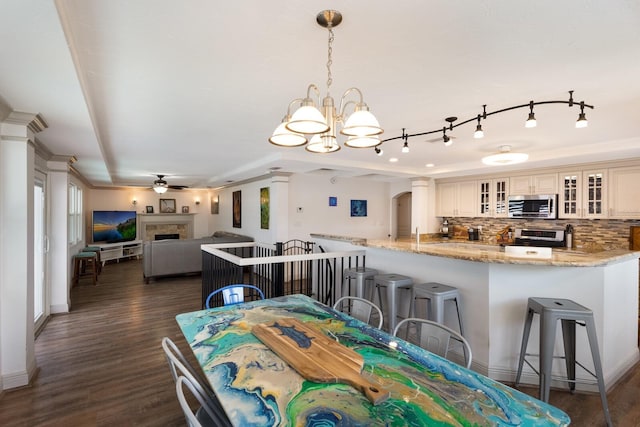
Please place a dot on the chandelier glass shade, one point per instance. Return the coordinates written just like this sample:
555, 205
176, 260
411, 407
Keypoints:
321, 123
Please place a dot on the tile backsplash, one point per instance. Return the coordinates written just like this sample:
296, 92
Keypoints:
597, 234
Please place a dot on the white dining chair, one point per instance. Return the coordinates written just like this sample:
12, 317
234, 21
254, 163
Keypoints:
361, 309
210, 412
436, 338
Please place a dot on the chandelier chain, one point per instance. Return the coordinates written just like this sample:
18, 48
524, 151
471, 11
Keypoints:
329, 60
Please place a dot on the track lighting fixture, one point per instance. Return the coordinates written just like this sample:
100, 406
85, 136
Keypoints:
378, 151
582, 118
361, 127
478, 133
531, 121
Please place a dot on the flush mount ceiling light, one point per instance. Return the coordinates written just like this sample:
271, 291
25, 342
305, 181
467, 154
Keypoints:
505, 157
479, 132
361, 127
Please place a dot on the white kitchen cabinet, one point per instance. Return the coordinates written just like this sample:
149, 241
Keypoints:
583, 194
624, 193
492, 197
457, 199
534, 184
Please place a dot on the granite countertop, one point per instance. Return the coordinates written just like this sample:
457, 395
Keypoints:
491, 253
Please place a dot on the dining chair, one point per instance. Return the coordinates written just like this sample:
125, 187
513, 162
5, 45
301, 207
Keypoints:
434, 337
360, 308
234, 294
209, 414
193, 418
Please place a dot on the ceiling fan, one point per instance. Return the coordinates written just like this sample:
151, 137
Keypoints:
160, 186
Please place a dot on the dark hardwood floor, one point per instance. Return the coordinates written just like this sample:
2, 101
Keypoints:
102, 364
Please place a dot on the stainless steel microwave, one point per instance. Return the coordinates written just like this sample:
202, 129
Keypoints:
533, 206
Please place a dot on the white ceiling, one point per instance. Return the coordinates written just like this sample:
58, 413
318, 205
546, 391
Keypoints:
193, 89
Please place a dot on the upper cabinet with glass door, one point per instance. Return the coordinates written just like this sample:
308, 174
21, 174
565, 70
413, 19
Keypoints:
583, 194
492, 197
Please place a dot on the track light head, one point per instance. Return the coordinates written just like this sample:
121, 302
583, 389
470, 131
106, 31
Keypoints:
582, 118
531, 121
479, 132
378, 151
405, 147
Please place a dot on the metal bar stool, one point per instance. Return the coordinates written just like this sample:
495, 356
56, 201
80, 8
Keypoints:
361, 275
569, 312
81, 261
392, 282
436, 294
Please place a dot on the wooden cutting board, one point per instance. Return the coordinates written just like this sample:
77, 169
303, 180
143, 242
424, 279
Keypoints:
317, 357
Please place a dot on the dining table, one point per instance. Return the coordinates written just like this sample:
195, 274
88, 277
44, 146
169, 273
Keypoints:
256, 387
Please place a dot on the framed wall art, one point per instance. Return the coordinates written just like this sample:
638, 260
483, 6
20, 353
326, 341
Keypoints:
358, 208
264, 208
167, 205
185, 209
237, 209
149, 209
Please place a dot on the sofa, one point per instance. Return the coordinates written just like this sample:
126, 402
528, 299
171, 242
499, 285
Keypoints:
180, 256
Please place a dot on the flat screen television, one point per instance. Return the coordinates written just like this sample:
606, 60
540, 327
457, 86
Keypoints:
114, 226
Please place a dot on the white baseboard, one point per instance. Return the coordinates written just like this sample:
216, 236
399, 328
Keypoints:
18, 379
59, 308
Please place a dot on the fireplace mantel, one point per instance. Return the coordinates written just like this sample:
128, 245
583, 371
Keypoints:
165, 223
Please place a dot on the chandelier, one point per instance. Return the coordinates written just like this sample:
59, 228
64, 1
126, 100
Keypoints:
361, 127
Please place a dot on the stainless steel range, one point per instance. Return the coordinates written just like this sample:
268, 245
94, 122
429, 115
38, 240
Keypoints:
539, 237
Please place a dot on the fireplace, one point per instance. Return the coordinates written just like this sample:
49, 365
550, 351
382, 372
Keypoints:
153, 226
166, 236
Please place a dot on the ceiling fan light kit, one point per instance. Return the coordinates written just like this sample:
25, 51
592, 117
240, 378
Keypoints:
160, 185
361, 127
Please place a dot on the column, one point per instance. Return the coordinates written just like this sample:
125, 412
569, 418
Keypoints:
17, 161
422, 206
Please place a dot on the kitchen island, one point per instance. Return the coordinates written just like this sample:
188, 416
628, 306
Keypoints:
495, 286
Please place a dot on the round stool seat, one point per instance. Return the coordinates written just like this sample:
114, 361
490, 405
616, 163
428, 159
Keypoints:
361, 275
392, 282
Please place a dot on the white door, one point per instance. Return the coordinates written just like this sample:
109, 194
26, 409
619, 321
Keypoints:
40, 250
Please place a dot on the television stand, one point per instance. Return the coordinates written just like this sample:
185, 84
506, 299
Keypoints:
110, 251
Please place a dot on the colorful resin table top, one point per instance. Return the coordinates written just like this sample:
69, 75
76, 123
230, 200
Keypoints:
257, 388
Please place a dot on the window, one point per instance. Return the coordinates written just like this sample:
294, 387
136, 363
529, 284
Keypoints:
75, 214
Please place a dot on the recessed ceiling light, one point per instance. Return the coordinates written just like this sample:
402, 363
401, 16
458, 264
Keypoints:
393, 159
429, 165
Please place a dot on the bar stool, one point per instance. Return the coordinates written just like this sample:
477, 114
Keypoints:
81, 261
569, 312
95, 249
392, 282
436, 294
361, 276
